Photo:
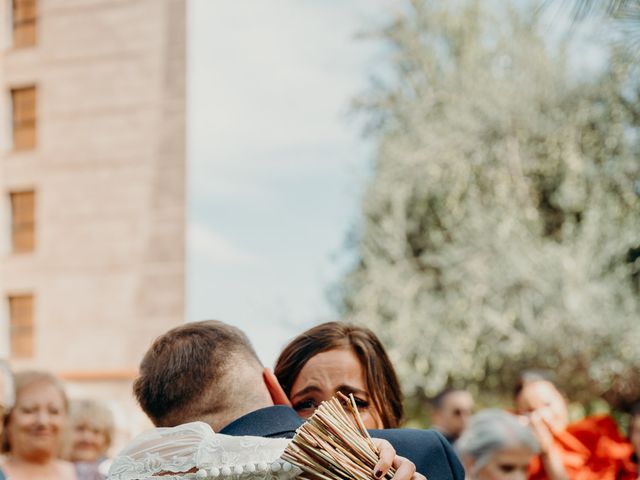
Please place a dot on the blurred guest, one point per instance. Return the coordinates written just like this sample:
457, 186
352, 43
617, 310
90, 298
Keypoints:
496, 446
92, 426
632, 467
451, 409
338, 357
591, 449
34, 430
7, 393
7, 396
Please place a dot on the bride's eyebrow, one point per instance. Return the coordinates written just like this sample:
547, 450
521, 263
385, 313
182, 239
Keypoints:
306, 390
347, 389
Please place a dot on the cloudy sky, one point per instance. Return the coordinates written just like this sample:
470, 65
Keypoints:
276, 163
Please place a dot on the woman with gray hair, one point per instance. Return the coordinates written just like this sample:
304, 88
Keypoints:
496, 446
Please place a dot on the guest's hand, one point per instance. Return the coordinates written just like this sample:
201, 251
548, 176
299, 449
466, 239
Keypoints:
542, 431
405, 468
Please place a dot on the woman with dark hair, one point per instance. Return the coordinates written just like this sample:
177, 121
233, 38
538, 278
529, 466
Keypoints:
338, 357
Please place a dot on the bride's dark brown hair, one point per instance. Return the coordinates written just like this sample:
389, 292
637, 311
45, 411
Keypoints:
380, 376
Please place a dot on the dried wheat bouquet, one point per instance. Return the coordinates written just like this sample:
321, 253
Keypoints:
334, 445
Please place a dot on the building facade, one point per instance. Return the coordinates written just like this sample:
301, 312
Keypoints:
92, 188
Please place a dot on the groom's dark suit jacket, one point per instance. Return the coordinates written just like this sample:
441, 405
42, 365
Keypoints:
432, 454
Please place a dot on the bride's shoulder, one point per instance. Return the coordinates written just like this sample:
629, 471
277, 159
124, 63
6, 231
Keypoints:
194, 448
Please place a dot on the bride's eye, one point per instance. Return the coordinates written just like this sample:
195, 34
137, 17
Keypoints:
307, 404
360, 403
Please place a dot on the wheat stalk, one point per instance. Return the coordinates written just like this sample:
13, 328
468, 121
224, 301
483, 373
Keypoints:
334, 444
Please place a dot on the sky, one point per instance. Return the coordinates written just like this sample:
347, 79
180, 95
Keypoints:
276, 160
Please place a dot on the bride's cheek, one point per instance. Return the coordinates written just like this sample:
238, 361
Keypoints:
368, 421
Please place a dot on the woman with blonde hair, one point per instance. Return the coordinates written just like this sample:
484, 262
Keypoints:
35, 428
91, 424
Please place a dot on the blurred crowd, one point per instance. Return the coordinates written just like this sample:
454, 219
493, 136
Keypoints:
536, 438
46, 436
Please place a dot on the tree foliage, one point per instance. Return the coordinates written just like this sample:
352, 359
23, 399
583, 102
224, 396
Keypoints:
501, 226
624, 13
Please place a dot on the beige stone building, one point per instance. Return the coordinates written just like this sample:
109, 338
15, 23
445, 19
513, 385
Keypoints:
92, 188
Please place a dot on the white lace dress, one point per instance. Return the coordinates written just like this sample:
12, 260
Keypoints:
194, 451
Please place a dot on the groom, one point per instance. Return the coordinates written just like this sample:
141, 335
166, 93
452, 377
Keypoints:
208, 371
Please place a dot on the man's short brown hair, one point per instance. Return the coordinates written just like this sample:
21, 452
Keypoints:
184, 376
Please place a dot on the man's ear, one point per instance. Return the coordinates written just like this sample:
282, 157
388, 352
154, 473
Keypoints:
275, 390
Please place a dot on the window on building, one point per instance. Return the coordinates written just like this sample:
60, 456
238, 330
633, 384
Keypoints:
21, 325
23, 221
25, 22
23, 107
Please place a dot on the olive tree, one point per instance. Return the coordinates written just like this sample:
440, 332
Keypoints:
501, 226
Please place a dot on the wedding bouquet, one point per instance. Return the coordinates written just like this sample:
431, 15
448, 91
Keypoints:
334, 445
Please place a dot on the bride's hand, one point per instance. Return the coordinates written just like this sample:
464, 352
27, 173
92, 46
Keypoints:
405, 468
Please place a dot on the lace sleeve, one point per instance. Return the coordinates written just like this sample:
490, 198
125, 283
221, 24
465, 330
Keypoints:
194, 451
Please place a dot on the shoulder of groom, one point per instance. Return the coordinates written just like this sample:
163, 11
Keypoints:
429, 450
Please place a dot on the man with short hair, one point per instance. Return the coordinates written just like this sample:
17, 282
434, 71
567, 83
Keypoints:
209, 371
201, 371
451, 409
